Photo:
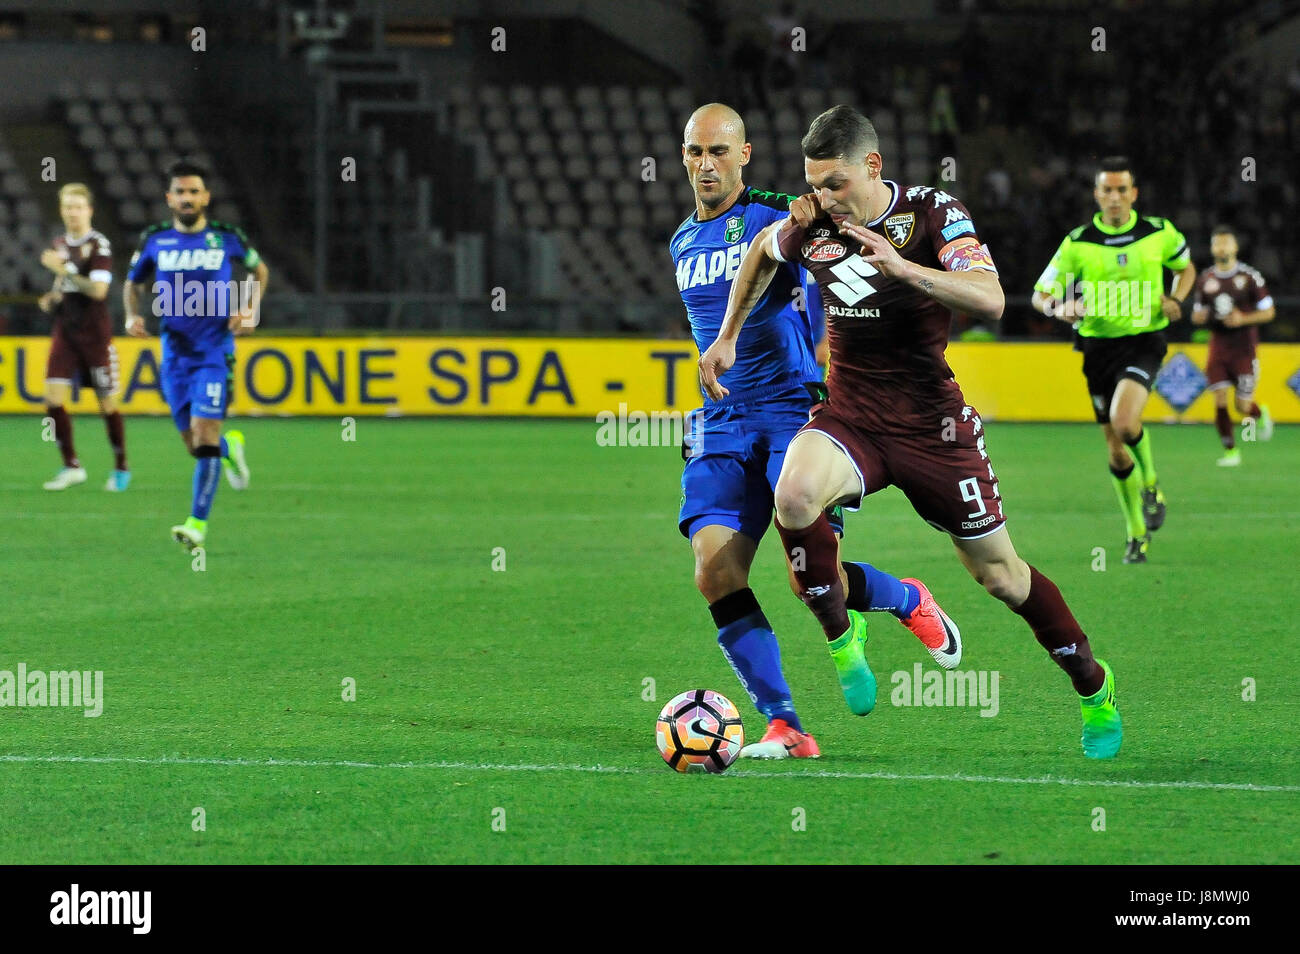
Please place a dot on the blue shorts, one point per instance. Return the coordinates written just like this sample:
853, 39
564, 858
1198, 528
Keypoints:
197, 386
734, 455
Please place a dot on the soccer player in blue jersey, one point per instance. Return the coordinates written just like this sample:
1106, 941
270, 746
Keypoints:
736, 445
201, 308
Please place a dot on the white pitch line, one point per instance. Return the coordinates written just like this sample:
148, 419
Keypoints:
632, 770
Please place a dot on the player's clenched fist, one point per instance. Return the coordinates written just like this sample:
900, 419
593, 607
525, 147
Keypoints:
802, 211
714, 363
135, 326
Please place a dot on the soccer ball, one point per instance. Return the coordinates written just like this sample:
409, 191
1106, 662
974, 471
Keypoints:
699, 731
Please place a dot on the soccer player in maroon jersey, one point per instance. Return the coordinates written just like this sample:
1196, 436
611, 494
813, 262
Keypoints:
892, 262
81, 347
1233, 299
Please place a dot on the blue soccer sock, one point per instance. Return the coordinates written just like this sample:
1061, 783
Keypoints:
750, 646
225, 448
871, 590
207, 469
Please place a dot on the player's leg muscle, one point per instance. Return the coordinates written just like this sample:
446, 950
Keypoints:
1120, 459
206, 430
1126, 409
816, 475
57, 393
723, 557
995, 565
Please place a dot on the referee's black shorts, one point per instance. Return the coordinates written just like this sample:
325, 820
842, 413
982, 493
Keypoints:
1108, 361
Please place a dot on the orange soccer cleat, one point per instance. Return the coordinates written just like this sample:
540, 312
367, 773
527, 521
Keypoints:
782, 741
934, 629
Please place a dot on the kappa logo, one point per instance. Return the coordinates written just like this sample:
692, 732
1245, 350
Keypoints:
823, 250
898, 228
1240, 281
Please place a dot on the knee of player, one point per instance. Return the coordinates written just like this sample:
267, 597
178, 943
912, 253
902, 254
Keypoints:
1127, 430
998, 580
796, 499
716, 579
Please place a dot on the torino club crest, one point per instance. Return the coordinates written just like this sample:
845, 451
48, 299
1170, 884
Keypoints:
898, 228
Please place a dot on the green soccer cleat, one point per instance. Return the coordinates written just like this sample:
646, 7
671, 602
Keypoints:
1136, 549
1230, 458
191, 533
856, 679
236, 465
1102, 729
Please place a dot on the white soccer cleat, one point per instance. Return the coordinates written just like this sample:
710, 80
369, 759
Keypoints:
236, 465
65, 478
1265, 423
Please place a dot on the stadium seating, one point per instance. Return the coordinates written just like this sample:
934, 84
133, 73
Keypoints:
130, 132
576, 161
26, 231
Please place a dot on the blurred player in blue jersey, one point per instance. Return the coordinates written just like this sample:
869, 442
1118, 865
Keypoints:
735, 446
201, 308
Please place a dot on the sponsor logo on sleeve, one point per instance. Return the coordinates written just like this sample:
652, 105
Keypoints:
966, 227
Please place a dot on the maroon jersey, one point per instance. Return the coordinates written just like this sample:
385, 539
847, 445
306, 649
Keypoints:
1242, 288
77, 313
887, 339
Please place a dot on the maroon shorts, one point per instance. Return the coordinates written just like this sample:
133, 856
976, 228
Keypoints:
947, 476
87, 358
1232, 368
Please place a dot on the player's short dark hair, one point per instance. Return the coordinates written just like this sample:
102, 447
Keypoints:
1223, 228
186, 167
1117, 164
840, 131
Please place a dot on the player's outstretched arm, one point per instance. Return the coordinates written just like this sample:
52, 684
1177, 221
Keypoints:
975, 292
131, 305
755, 274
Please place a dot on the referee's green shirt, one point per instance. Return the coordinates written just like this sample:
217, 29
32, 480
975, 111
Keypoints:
1119, 271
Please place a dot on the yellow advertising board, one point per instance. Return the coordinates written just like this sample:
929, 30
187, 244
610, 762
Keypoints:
568, 377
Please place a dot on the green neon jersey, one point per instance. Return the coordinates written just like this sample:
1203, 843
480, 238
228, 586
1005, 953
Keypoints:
1119, 274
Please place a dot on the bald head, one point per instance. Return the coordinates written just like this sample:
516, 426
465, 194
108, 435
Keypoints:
713, 151
716, 120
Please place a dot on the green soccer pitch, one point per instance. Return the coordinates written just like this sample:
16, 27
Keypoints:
505, 699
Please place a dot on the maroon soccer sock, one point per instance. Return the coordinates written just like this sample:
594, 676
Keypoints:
117, 438
1058, 632
1224, 424
63, 435
813, 553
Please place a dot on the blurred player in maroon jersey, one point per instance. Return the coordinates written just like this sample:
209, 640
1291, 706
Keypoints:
1233, 299
894, 413
81, 348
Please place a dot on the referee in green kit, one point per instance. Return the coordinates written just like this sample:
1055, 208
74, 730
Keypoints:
1120, 311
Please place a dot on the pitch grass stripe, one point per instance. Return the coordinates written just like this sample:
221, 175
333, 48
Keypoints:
629, 770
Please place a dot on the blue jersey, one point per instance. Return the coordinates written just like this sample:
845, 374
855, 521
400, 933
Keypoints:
775, 347
195, 293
